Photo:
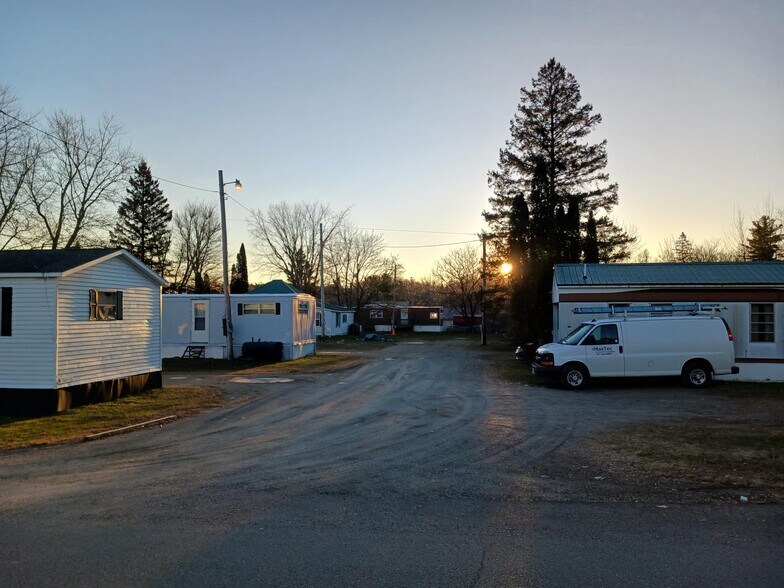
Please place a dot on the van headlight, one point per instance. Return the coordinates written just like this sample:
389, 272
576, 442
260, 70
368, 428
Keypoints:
545, 359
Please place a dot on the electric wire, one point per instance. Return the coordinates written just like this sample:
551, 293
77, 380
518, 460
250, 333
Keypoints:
240, 204
88, 152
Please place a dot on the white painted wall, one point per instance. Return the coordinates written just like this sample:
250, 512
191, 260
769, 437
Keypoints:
27, 357
91, 351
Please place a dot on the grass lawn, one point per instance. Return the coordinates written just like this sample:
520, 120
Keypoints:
75, 424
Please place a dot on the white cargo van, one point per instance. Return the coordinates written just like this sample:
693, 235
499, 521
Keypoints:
695, 347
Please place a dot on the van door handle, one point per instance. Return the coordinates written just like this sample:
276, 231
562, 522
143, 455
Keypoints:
620, 348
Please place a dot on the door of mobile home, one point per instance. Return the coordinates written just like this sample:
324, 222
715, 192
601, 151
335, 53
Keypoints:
200, 324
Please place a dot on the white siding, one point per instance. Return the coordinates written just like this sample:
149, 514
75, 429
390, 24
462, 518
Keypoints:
27, 357
296, 331
91, 351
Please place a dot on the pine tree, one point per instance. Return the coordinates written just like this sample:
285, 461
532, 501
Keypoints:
591, 242
239, 273
143, 220
549, 162
683, 249
764, 243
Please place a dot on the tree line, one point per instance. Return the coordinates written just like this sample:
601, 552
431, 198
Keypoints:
65, 184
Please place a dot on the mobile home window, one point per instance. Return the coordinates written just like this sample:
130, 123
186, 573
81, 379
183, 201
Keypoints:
318, 319
762, 323
106, 305
260, 308
302, 307
345, 319
433, 316
376, 314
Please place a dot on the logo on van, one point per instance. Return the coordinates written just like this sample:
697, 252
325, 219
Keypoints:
603, 350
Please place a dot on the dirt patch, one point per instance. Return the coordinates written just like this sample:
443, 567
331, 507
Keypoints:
722, 456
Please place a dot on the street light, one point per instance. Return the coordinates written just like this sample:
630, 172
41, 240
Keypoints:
226, 294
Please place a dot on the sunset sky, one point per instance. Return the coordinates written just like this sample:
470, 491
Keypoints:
399, 109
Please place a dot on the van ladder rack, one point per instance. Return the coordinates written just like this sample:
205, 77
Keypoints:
613, 310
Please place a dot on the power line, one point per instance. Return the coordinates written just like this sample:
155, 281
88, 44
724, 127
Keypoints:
88, 152
413, 231
428, 246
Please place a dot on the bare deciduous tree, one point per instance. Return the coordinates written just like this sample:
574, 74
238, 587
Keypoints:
74, 191
196, 238
459, 274
352, 257
20, 150
287, 237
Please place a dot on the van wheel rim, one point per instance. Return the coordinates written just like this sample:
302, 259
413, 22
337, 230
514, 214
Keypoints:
697, 377
575, 378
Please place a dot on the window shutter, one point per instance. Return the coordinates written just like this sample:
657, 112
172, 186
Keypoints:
277, 308
119, 305
5, 318
93, 304
239, 309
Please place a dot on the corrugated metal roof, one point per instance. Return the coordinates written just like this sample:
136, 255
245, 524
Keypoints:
761, 273
47, 261
275, 287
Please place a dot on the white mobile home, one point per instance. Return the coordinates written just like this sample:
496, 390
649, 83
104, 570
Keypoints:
748, 295
337, 320
275, 312
77, 325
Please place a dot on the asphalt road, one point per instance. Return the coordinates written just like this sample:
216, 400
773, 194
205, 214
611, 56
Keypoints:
419, 468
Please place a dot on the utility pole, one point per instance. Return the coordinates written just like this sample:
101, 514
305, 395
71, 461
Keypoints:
482, 329
321, 263
226, 294
394, 293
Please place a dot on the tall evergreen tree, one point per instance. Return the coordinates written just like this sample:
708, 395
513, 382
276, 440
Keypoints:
560, 174
239, 273
143, 220
683, 249
591, 242
764, 243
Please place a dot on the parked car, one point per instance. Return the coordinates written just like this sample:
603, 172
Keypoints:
695, 347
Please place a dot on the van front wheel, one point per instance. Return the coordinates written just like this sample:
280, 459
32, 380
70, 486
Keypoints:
697, 374
574, 376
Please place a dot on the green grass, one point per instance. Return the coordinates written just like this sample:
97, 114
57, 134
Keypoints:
311, 363
76, 423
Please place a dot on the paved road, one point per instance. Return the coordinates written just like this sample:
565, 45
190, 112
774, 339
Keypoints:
418, 468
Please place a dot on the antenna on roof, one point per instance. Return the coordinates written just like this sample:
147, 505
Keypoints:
585, 272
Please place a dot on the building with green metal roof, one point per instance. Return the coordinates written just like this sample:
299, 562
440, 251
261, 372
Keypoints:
748, 295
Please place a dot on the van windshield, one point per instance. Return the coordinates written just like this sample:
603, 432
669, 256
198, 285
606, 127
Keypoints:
575, 336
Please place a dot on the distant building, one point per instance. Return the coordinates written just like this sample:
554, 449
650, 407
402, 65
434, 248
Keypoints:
378, 317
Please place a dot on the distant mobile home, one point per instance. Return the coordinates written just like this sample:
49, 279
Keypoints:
275, 312
337, 321
378, 317
76, 325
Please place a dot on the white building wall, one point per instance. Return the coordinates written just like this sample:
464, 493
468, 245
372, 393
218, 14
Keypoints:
27, 357
91, 351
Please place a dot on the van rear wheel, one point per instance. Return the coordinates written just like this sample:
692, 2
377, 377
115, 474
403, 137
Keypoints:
697, 374
574, 376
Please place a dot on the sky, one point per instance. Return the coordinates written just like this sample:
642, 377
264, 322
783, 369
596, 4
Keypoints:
397, 110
